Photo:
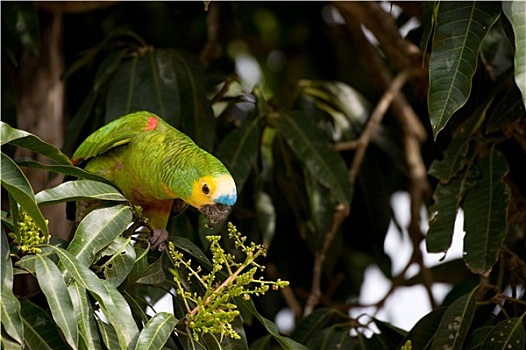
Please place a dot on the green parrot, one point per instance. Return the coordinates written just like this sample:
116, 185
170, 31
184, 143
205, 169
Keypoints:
153, 164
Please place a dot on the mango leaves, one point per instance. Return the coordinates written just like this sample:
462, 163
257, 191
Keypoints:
460, 28
64, 275
470, 178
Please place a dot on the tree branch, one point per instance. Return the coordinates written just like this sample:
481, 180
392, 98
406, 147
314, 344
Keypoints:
340, 213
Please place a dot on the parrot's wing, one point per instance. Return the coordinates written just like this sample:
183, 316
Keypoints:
114, 134
99, 143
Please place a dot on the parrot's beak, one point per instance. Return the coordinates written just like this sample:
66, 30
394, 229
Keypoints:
215, 213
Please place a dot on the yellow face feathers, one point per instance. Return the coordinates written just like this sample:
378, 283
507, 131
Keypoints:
210, 190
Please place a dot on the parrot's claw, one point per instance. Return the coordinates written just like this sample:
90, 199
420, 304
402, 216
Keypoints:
158, 239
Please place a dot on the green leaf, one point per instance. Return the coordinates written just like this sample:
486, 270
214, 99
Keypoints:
485, 214
447, 199
153, 274
88, 332
156, 332
454, 160
239, 150
98, 229
111, 301
109, 336
63, 169
507, 335
516, 13
285, 342
34, 143
454, 326
10, 306
197, 116
40, 332
189, 247
460, 29
120, 263
312, 149
52, 284
16, 183
312, 324
77, 190
139, 267
509, 109
335, 337
423, 332
452, 272
144, 83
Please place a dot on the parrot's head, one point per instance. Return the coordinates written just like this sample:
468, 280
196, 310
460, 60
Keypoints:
214, 195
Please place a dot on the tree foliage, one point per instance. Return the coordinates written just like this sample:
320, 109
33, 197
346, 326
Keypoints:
336, 123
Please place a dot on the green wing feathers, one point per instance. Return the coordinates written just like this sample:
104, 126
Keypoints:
114, 134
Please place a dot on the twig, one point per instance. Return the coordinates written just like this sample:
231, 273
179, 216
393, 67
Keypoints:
374, 120
340, 213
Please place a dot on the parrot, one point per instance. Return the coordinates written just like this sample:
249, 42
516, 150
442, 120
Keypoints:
156, 166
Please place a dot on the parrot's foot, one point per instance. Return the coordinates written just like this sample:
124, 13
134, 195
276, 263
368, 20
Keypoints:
158, 239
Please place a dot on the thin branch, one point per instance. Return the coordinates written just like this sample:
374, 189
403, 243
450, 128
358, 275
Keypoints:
375, 119
340, 213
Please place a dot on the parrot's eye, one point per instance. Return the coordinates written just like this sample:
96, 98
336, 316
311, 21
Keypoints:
205, 189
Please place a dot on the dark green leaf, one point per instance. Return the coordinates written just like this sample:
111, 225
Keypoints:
454, 326
40, 332
63, 169
423, 332
263, 343
187, 246
312, 149
460, 28
10, 312
507, 335
34, 143
121, 259
239, 150
109, 336
476, 338
52, 284
333, 337
452, 271
145, 82
285, 342
197, 116
111, 301
89, 335
139, 267
156, 331
16, 183
77, 190
485, 214
454, 160
507, 111
153, 274
98, 229
516, 13
447, 199
312, 324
